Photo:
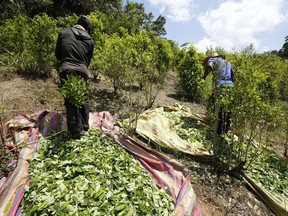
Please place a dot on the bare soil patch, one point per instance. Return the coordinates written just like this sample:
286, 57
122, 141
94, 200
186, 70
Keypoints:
217, 195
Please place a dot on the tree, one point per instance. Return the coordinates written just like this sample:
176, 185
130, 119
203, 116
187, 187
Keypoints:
189, 68
10, 9
158, 26
254, 100
155, 27
68, 7
284, 51
132, 17
56, 8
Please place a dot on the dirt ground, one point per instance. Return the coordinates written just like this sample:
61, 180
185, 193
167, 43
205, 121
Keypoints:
217, 196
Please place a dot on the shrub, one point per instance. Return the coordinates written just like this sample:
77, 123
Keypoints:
28, 44
190, 70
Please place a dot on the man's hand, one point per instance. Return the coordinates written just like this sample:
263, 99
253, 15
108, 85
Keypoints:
207, 70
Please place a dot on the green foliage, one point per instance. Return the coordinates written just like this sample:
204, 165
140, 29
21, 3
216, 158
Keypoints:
115, 60
99, 40
264, 165
42, 39
9, 9
67, 21
36, 7
55, 8
91, 176
154, 78
132, 17
190, 70
270, 171
259, 83
157, 26
280, 67
23, 32
254, 100
285, 126
123, 60
14, 34
28, 44
163, 57
75, 89
175, 52
284, 50
137, 58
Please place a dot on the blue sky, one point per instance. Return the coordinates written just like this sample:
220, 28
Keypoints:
230, 24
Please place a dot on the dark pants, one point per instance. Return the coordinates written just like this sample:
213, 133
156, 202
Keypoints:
223, 124
77, 118
224, 116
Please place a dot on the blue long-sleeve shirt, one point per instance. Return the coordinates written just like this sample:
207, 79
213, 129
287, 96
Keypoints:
225, 70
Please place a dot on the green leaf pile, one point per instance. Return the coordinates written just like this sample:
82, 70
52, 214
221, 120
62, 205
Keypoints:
191, 129
91, 176
75, 89
271, 172
267, 168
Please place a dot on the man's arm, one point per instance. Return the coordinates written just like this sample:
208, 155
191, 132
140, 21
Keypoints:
208, 69
58, 52
90, 53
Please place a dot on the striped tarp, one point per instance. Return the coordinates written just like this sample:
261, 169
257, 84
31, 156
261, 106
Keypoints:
29, 129
21, 135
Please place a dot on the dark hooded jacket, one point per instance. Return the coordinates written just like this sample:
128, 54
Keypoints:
74, 49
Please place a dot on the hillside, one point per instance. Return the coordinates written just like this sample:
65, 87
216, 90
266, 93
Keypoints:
222, 195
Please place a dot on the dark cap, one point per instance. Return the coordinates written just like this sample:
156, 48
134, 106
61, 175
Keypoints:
85, 22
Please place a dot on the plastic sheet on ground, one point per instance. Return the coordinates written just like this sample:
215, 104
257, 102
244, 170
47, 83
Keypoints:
29, 129
21, 134
154, 126
277, 203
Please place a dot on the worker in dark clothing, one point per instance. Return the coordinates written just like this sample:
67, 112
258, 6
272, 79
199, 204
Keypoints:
223, 83
74, 49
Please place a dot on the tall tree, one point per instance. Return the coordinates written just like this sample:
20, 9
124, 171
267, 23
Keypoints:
284, 51
10, 8
158, 26
68, 7
132, 16
56, 8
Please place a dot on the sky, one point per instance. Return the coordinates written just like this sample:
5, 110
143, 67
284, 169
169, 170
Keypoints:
229, 24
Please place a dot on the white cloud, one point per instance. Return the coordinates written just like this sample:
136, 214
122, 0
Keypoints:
235, 23
204, 44
177, 10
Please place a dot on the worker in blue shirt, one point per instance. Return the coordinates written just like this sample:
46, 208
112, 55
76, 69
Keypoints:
223, 82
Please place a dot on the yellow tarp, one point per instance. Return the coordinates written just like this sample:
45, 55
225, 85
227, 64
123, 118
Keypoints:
156, 127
